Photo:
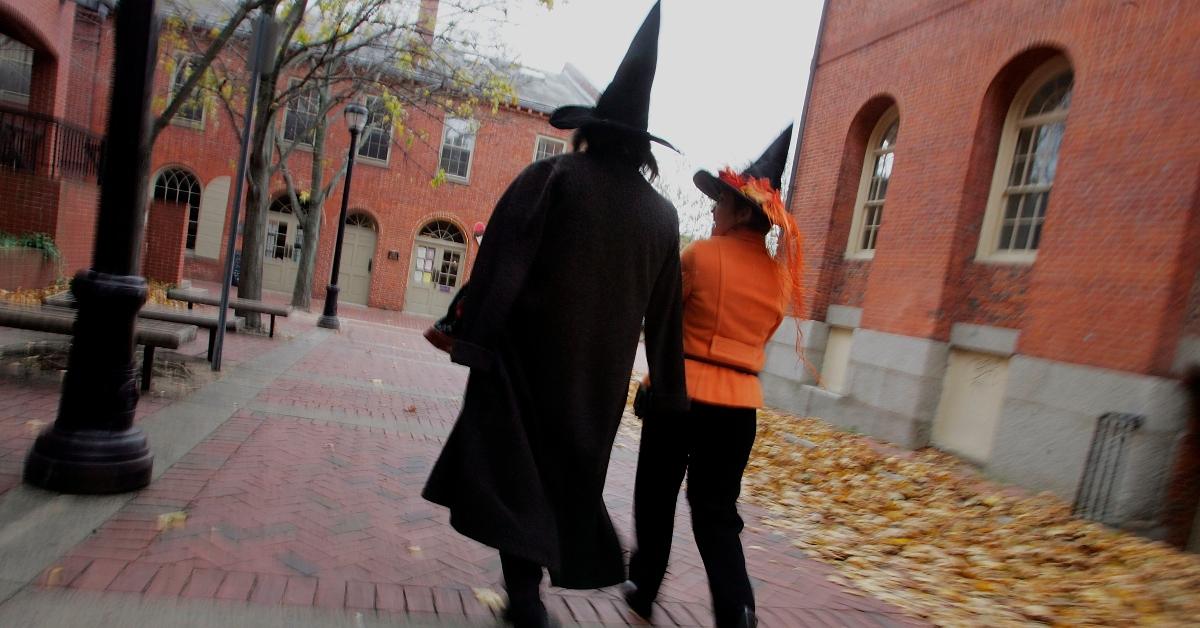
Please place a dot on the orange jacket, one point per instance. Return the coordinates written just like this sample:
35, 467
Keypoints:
733, 302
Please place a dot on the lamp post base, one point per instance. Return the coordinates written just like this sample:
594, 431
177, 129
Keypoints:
90, 462
93, 447
329, 317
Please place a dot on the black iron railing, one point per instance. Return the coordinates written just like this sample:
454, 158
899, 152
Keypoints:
35, 143
1102, 471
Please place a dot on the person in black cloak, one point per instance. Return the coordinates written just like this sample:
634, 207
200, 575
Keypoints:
580, 250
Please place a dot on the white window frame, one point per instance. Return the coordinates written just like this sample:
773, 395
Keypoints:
473, 126
287, 109
367, 130
181, 61
988, 250
537, 143
13, 53
854, 248
177, 194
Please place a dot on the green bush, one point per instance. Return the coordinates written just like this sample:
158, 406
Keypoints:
40, 241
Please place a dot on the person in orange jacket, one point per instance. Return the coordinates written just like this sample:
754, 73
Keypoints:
735, 295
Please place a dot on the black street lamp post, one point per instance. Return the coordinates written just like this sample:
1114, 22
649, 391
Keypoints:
93, 446
356, 119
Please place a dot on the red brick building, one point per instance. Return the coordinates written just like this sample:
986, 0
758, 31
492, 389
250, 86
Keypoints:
1000, 203
408, 244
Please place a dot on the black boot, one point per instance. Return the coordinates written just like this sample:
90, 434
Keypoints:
535, 618
641, 607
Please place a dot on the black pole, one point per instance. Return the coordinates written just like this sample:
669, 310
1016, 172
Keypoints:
329, 319
93, 446
265, 29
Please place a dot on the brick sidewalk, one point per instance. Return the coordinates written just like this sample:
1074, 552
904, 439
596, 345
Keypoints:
309, 495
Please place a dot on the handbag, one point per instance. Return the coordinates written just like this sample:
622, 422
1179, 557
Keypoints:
442, 333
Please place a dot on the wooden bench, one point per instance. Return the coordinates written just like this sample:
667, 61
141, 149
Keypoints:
160, 313
58, 320
192, 297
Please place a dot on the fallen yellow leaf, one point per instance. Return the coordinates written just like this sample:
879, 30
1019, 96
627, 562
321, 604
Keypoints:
172, 520
54, 578
490, 599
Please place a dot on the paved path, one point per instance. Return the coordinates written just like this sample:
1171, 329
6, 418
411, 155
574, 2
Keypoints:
299, 475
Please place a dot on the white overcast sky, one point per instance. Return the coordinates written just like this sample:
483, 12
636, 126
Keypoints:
731, 74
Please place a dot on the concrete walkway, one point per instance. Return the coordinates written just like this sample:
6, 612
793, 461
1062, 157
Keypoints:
287, 493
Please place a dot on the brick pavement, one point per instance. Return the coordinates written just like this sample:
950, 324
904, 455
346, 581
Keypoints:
309, 496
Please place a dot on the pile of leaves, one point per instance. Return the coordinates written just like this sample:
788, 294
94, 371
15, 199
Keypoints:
34, 296
924, 532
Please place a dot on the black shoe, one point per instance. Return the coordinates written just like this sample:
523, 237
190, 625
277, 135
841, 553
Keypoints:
536, 619
640, 607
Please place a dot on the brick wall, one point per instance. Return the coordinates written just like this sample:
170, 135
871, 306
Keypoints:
65, 209
78, 207
28, 204
25, 268
838, 280
86, 60
1106, 289
166, 234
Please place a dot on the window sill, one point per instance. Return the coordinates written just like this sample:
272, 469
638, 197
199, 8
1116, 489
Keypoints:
195, 125
371, 161
1007, 259
457, 180
860, 256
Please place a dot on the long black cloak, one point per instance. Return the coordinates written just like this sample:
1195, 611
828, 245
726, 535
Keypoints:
578, 252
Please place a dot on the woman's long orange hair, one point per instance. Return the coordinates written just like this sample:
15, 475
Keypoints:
789, 254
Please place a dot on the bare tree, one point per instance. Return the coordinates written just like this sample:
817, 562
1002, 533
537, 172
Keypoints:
693, 207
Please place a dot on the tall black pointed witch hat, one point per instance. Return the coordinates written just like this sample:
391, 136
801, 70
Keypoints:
769, 166
625, 103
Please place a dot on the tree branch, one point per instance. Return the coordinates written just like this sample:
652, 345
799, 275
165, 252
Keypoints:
201, 66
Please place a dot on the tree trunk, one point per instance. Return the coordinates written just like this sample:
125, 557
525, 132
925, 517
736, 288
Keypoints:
254, 234
314, 211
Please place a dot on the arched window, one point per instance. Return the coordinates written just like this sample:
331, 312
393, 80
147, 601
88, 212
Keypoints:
16, 70
360, 220
443, 230
282, 245
1026, 165
176, 185
281, 204
873, 185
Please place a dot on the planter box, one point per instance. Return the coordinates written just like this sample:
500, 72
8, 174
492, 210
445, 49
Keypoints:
26, 268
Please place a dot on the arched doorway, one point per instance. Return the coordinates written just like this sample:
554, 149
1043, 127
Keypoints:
285, 238
358, 251
435, 272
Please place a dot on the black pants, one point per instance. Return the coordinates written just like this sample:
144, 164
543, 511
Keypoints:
712, 444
